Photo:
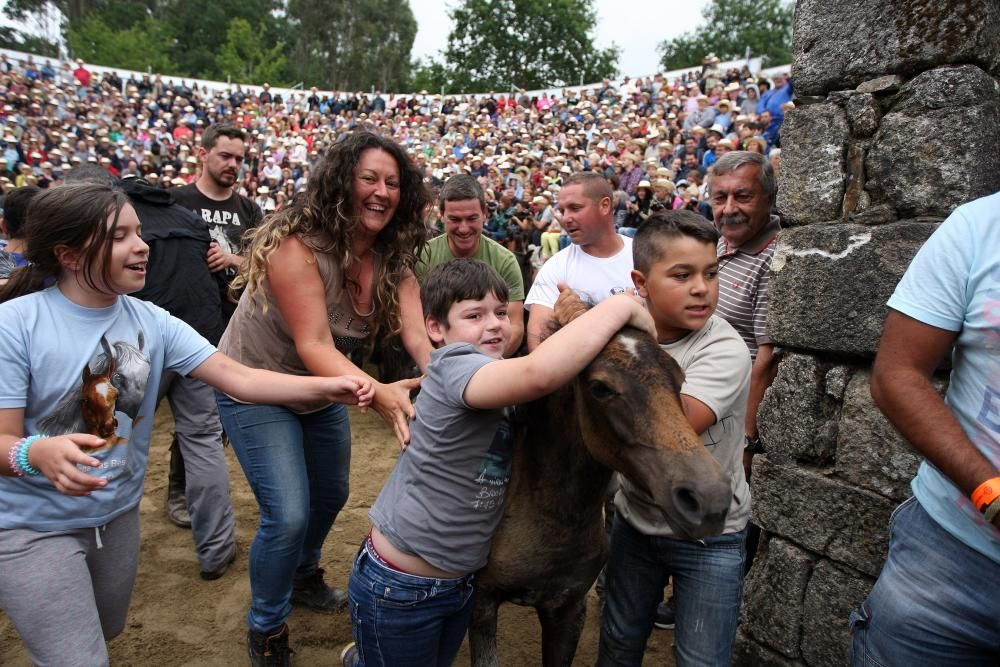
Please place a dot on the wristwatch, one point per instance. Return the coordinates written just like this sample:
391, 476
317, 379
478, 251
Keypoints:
753, 444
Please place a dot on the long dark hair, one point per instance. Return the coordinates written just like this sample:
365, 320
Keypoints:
73, 215
323, 217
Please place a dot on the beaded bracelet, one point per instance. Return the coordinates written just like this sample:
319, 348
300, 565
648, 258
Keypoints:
17, 458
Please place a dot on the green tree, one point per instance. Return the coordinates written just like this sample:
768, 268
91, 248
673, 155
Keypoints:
244, 59
188, 32
73, 10
497, 44
200, 28
429, 75
765, 26
370, 45
142, 46
21, 41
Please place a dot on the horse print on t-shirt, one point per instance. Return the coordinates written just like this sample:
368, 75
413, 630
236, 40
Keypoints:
104, 402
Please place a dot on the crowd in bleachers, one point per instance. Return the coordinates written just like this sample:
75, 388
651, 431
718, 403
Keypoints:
655, 138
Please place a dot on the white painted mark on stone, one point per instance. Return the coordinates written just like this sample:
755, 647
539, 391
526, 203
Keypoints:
630, 344
854, 242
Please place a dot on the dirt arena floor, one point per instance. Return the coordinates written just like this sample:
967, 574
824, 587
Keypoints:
176, 619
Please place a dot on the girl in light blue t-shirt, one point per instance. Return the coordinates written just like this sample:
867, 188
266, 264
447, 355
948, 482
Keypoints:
81, 364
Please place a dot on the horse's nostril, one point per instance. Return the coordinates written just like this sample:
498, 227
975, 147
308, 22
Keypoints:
687, 502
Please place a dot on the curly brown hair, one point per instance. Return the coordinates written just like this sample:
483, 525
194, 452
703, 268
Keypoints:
323, 218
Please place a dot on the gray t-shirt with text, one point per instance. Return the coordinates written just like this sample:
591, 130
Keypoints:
444, 499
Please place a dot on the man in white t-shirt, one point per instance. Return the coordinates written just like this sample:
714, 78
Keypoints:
596, 265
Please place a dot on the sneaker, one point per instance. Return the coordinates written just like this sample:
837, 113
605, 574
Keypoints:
177, 512
313, 592
269, 650
665, 615
212, 575
350, 656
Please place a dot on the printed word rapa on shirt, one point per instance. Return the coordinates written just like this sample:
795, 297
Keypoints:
213, 217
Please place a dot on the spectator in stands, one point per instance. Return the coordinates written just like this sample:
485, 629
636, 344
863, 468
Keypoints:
15, 209
463, 211
81, 74
772, 102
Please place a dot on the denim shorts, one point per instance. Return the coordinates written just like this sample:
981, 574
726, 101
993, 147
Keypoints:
401, 619
936, 602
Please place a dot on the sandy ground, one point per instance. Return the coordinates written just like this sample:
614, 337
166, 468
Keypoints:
178, 619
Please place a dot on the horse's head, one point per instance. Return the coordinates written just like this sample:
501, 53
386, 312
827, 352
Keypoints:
633, 422
97, 401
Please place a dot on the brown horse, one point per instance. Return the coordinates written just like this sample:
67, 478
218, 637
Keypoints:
622, 413
98, 397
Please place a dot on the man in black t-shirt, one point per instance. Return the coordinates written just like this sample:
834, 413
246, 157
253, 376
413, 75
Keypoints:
228, 214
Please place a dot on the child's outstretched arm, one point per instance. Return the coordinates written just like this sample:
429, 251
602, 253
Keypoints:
56, 458
254, 385
559, 357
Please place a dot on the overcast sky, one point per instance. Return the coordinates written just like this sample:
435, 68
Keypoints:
636, 26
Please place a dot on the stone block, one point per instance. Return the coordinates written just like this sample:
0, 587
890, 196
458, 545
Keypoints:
944, 88
882, 85
866, 214
798, 416
870, 451
829, 283
832, 593
842, 45
814, 147
748, 653
773, 595
863, 114
821, 513
937, 147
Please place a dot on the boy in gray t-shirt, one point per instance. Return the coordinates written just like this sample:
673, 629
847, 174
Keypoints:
676, 271
411, 584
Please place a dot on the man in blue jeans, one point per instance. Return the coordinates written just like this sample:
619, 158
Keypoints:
676, 271
936, 600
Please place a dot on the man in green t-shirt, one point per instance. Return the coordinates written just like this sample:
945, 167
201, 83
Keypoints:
463, 212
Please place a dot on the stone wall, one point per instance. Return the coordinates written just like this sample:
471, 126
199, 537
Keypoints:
896, 123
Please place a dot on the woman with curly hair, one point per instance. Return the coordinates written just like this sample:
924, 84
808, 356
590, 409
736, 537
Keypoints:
321, 276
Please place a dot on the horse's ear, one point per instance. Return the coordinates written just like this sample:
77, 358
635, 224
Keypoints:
107, 348
568, 307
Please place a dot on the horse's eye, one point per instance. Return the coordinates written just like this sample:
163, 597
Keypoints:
116, 380
601, 390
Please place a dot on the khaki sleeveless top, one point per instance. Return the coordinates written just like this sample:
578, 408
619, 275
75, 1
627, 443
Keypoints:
262, 340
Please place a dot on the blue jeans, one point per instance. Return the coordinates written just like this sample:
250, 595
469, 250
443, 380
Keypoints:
935, 602
708, 588
298, 468
402, 620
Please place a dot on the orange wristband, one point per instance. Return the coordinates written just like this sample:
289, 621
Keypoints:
986, 493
